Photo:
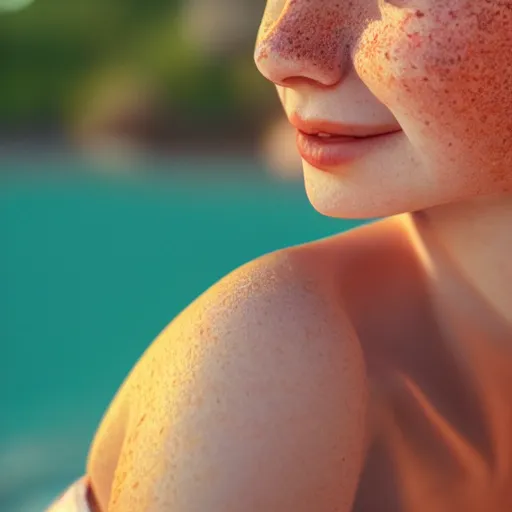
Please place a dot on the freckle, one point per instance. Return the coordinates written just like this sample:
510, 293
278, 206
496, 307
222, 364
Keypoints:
135, 485
262, 55
311, 34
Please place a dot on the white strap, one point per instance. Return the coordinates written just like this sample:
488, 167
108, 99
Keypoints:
73, 500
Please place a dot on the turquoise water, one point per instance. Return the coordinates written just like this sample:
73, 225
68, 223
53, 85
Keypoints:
91, 269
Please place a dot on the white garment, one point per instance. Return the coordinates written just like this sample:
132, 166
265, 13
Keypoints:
73, 500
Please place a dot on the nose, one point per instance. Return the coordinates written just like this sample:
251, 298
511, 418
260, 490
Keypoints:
308, 41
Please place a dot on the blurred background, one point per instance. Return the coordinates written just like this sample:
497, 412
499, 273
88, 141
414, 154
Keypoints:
142, 157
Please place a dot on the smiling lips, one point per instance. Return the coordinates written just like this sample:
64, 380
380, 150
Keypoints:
325, 145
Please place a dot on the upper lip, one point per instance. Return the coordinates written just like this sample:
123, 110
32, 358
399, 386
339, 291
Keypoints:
316, 126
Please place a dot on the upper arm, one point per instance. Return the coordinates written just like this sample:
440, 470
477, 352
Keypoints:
253, 399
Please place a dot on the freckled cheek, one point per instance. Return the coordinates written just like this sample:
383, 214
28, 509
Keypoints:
399, 65
423, 79
456, 112
452, 95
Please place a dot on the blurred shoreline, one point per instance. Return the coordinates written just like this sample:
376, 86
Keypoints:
272, 149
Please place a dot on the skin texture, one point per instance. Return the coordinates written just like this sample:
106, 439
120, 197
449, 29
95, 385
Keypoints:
211, 403
429, 65
371, 370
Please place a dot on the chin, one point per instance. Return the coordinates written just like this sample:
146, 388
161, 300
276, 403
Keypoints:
376, 188
355, 196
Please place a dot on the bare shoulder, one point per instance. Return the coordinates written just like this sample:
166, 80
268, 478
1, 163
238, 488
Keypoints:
253, 398
273, 299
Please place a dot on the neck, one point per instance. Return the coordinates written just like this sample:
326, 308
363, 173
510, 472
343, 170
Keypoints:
472, 241
466, 250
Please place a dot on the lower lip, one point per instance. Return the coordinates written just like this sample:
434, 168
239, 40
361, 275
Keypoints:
326, 153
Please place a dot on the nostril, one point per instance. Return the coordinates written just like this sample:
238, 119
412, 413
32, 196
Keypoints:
288, 55
288, 72
288, 68
290, 81
295, 81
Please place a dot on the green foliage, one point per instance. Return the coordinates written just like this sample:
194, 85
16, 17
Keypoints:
56, 52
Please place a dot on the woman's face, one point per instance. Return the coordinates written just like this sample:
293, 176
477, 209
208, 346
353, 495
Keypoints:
423, 87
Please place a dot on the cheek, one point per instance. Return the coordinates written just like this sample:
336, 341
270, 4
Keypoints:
447, 77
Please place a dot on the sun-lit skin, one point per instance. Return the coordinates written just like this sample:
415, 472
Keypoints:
370, 370
430, 65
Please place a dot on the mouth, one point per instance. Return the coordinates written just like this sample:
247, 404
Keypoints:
325, 145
